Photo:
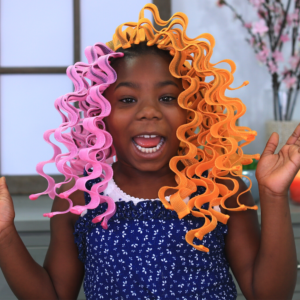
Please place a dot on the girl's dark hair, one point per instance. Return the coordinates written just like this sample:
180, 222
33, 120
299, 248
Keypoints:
139, 50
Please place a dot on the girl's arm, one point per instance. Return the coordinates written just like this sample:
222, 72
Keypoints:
62, 274
61, 262
265, 264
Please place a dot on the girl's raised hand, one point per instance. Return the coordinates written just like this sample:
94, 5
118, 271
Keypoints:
275, 172
7, 212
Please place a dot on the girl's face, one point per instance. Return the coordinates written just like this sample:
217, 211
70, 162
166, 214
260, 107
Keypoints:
144, 112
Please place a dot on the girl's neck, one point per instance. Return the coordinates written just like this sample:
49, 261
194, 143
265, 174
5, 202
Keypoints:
142, 184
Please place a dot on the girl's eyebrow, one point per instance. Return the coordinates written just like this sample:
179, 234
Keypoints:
128, 84
166, 82
137, 86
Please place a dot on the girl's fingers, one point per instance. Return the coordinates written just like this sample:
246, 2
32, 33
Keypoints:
4, 193
271, 145
2, 183
295, 137
7, 212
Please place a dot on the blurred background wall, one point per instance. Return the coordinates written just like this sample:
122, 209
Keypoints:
39, 39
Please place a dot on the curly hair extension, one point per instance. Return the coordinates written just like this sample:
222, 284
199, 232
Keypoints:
89, 144
208, 141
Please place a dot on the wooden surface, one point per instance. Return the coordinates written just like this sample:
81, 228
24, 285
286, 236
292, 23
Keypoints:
26, 185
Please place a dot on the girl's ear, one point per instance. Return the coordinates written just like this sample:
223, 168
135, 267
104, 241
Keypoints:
112, 155
111, 160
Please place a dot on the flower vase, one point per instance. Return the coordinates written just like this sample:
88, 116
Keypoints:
283, 128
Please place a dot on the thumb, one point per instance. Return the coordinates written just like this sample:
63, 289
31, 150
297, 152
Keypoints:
271, 145
4, 193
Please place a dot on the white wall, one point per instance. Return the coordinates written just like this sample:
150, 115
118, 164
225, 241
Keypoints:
33, 33
40, 33
101, 18
206, 16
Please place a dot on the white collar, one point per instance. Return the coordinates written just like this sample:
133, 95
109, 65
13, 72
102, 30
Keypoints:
114, 192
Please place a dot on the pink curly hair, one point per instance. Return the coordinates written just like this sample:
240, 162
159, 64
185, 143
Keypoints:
89, 144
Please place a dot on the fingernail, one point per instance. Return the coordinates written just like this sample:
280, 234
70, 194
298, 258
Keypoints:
2, 180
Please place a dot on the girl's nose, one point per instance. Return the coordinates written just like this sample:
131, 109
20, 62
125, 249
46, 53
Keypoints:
149, 110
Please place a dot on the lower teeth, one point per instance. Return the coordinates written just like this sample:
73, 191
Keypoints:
149, 150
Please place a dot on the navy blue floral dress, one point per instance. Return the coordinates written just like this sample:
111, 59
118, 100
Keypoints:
143, 255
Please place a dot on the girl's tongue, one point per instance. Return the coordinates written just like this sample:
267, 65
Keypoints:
147, 142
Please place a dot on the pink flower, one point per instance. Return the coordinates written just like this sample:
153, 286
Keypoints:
289, 81
277, 9
252, 41
285, 38
220, 3
293, 17
277, 27
278, 56
272, 67
271, 7
294, 61
260, 27
256, 3
248, 25
262, 13
263, 54
285, 71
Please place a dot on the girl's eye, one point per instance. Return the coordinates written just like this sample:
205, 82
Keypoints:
167, 99
127, 100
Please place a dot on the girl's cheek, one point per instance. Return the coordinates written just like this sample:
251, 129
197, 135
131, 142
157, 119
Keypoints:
104, 120
107, 125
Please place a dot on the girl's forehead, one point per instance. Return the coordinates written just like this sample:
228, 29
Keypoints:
144, 71
143, 66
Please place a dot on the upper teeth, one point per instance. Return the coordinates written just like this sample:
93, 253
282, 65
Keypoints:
148, 136
150, 150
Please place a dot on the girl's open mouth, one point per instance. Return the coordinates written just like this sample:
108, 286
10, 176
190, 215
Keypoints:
148, 143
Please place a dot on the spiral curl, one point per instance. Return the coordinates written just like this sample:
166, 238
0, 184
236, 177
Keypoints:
208, 141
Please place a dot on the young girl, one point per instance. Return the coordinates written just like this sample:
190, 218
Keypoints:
153, 225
